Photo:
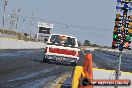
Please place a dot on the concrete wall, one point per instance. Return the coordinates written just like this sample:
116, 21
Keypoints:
6, 43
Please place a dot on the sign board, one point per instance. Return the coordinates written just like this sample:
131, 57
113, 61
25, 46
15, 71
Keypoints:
43, 30
46, 25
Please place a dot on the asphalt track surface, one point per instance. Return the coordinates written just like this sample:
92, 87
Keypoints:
110, 61
24, 68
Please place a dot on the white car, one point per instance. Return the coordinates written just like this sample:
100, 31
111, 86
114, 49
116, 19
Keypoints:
62, 48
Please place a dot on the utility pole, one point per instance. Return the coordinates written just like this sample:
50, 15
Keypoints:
31, 24
22, 29
4, 13
18, 11
12, 19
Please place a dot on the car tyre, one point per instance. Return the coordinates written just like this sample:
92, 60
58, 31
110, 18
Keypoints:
45, 60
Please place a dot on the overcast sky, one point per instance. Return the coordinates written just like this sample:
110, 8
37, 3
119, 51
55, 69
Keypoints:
97, 17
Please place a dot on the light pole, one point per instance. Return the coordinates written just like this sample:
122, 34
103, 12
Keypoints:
4, 14
23, 28
17, 19
12, 18
31, 25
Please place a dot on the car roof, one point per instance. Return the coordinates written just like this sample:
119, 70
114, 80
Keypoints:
63, 35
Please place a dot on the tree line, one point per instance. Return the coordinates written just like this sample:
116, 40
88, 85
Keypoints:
88, 43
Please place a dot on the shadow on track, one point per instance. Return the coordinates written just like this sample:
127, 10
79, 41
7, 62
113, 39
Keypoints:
36, 60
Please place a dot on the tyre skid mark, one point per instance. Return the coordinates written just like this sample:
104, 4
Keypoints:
37, 83
32, 75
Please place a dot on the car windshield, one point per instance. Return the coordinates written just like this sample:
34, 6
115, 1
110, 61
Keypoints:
62, 41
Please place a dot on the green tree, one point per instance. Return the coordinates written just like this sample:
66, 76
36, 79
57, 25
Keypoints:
87, 43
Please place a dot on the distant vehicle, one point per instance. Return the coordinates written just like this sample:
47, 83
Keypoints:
62, 48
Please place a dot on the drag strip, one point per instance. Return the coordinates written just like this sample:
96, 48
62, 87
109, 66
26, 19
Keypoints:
24, 69
107, 61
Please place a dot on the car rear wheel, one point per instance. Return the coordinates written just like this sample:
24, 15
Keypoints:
45, 60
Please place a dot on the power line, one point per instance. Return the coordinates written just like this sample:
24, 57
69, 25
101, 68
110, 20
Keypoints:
66, 24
